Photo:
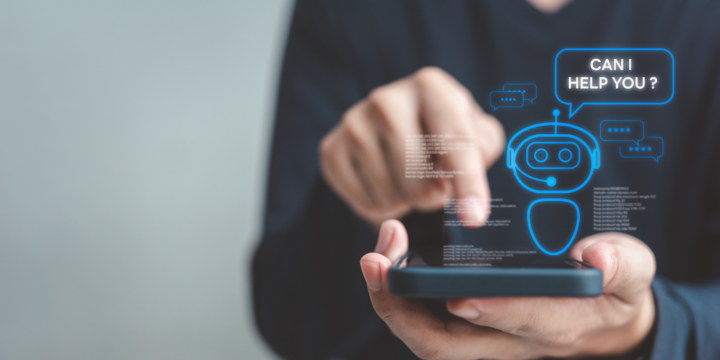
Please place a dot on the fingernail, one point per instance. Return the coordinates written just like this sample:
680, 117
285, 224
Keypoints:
386, 233
612, 270
371, 272
467, 312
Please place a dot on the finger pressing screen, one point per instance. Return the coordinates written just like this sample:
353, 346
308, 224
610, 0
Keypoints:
448, 109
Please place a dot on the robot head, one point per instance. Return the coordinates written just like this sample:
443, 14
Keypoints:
553, 158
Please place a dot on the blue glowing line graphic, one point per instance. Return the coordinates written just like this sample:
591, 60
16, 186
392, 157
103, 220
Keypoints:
594, 154
571, 112
527, 153
621, 121
523, 92
531, 178
572, 238
656, 158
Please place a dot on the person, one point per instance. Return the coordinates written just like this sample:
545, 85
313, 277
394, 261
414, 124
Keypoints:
358, 77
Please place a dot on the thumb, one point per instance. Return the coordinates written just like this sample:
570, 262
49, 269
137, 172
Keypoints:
392, 244
392, 240
628, 265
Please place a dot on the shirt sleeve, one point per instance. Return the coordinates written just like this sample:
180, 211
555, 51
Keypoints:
688, 311
688, 320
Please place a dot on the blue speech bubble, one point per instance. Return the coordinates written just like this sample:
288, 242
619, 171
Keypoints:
529, 91
653, 147
614, 76
510, 99
622, 130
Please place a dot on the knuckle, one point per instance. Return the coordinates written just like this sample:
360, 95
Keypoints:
327, 149
464, 99
354, 128
563, 339
529, 326
430, 76
651, 262
386, 316
491, 128
380, 95
455, 113
460, 107
381, 102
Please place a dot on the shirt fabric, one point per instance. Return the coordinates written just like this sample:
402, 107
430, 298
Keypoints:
310, 297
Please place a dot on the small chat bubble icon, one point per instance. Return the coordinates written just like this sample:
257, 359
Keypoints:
622, 130
653, 147
529, 91
614, 76
510, 99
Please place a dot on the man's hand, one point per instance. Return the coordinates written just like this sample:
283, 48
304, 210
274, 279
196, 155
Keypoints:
363, 158
525, 328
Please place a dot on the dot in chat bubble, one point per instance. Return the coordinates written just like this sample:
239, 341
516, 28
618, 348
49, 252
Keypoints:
507, 99
653, 147
529, 91
622, 130
614, 76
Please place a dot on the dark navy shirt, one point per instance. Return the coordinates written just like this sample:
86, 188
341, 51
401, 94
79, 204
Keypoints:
310, 298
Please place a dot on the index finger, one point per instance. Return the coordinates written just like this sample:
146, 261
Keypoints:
447, 109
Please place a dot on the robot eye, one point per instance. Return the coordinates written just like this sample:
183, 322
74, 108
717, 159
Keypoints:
553, 155
541, 155
565, 155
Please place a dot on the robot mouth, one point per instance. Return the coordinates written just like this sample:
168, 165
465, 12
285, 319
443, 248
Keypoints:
557, 208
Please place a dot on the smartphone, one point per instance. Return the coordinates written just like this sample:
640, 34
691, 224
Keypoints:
425, 273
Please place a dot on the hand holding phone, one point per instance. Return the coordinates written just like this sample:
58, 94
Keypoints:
526, 327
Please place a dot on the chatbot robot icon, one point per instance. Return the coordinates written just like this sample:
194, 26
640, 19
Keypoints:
553, 158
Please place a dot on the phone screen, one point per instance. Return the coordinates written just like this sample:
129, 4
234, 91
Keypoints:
471, 257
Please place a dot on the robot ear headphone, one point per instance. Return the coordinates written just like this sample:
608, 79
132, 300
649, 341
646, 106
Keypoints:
595, 157
553, 157
556, 125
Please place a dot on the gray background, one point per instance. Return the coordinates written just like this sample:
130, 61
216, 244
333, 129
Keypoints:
133, 148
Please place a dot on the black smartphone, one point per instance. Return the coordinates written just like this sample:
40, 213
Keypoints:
427, 273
